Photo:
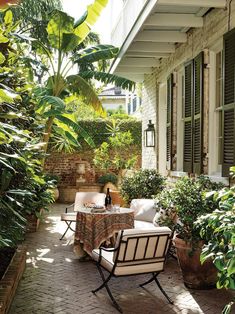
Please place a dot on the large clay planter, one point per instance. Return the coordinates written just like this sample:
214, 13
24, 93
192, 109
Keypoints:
195, 274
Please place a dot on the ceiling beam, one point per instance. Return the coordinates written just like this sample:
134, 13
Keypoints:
146, 54
195, 3
175, 20
140, 62
152, 47
140, 70
161, 36
130, 76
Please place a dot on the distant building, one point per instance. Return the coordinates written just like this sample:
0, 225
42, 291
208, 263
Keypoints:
114, 97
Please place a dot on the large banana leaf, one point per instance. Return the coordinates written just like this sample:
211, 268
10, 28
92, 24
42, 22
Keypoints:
93, 54
93, 12
108, 78
60, 31
77, 128
79, 85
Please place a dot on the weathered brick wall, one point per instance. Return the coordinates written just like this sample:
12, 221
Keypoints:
215, 25
65, 167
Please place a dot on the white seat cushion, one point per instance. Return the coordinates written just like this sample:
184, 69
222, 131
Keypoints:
69, 216
139, 224
126, 268
144, 209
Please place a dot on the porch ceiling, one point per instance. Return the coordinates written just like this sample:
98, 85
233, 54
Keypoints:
155, 38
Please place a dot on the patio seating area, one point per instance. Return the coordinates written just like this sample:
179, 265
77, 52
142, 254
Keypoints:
56, 282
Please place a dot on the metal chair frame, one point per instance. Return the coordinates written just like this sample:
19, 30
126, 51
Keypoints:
68, 222
124, 260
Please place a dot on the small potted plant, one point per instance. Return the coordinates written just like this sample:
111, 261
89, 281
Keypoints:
186, 200
109, 180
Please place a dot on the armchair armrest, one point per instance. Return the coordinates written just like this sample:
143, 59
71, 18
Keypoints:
105, 249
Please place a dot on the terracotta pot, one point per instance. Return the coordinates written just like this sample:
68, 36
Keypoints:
195, 274
116, 198
111, 187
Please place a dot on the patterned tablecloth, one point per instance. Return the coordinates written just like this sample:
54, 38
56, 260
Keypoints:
92, 229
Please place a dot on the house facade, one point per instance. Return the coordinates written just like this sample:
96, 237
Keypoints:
183, 51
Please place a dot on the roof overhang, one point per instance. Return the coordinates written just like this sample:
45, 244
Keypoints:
153, 35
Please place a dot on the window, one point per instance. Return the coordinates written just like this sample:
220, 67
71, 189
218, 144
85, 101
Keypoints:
169, 122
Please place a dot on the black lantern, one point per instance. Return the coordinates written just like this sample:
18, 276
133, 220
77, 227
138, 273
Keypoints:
150, 135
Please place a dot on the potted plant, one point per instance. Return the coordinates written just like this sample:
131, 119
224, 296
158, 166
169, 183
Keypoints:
186, 199
109, 180
218, 231
142, 184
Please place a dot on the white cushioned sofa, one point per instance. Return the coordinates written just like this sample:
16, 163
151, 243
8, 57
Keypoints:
144, 211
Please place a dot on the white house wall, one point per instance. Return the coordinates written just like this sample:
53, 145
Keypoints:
214, 26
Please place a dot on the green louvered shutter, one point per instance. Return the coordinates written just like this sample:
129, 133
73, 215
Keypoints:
188, 121
198, 114
169, 122
229, 103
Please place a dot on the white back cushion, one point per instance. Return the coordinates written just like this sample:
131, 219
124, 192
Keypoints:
144, 209
88, 197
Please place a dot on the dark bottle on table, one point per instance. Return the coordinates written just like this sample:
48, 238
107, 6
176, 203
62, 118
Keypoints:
108, 200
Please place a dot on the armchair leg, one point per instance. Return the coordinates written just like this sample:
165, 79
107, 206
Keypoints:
104, 284
154, 278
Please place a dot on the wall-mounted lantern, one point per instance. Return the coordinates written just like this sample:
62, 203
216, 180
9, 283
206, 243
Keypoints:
150, 135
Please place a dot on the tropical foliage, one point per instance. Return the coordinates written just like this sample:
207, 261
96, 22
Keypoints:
23, 188
218, 230
142, 184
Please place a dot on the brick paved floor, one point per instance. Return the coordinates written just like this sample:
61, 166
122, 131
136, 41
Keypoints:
56, 282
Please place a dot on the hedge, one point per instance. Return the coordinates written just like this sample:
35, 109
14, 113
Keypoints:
97, 129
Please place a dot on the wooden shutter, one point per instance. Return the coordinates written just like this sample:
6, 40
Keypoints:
188, 104
198, 114
169, 122
229, 103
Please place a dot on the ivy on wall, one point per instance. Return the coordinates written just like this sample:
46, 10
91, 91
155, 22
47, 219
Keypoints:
99, 132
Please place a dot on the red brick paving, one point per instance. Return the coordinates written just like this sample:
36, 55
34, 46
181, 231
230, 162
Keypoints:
56, 282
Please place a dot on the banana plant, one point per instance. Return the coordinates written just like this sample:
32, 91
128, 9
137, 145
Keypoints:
72, 68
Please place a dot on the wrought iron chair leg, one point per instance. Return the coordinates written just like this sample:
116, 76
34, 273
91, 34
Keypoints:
150, 280
163, 291
68, 227
104, 284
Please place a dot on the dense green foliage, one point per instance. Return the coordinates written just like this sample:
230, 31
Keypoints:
186, 199
218, 231
108, 177
23, 188
99, 132
142, 184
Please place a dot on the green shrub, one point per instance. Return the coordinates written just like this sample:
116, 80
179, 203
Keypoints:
109, 177
143, 184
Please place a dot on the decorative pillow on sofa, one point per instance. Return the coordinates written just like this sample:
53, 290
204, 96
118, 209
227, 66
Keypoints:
144, 209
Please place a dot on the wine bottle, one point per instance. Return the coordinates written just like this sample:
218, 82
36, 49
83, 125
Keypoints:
108, 199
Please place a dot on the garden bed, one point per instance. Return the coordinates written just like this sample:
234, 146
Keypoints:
11, 277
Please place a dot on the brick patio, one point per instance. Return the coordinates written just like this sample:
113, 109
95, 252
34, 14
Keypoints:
56, 282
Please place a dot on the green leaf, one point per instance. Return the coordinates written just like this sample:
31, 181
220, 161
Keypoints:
8, 17
231, 267
7, 96
108, 78
69, 42
2, 58
93, 12
60, 24
56, 102
94, 54
3, 39
81, 19
79, 85
77, 128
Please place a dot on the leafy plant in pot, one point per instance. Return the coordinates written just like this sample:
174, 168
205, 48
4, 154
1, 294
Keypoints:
218, 230
186, 199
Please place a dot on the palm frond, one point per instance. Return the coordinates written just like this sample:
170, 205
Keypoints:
95, 53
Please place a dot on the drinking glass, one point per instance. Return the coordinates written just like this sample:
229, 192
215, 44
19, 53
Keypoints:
116, 208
